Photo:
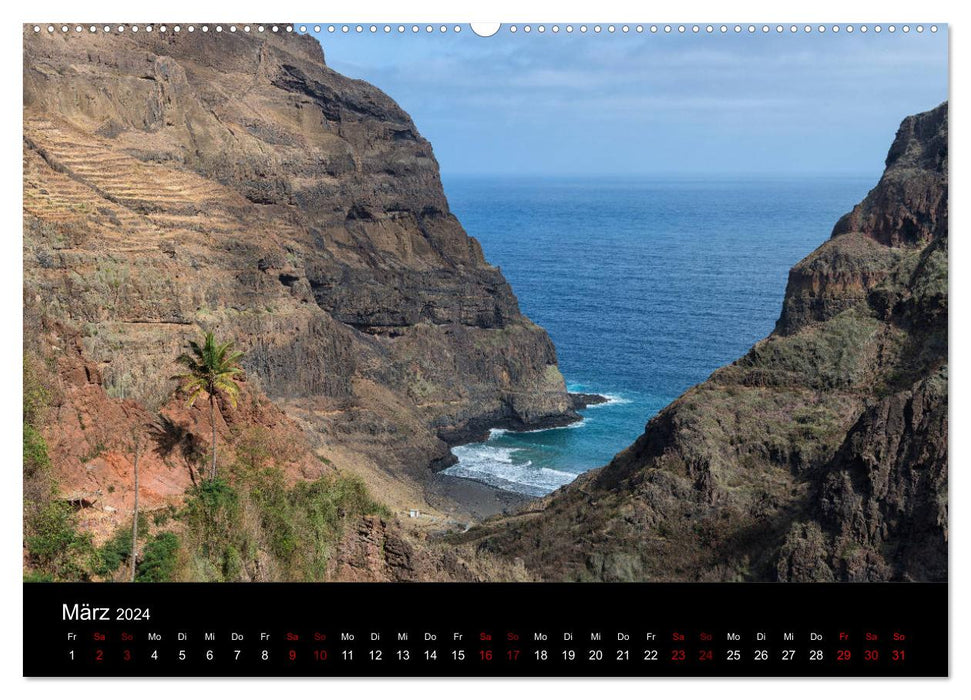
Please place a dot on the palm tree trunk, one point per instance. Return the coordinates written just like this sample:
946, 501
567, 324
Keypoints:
134, 522
212, 418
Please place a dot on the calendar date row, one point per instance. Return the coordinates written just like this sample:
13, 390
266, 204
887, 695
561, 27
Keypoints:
674, 655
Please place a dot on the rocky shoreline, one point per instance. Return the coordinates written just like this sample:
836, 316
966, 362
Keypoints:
477, 498
478, 429
472, 498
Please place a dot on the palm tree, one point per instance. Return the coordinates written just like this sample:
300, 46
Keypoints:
211, 368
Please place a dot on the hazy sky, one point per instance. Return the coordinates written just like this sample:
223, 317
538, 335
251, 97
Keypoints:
657, 104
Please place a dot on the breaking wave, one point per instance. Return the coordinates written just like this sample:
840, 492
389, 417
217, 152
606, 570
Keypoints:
499, 467
612, 400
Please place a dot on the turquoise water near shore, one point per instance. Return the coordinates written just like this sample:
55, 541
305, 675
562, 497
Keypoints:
646, 286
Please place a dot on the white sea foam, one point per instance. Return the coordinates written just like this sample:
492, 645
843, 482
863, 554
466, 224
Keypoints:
498, 466
612, 400
499, 432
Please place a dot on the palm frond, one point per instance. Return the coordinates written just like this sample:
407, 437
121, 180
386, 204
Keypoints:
196, 393
210, 368
230, 389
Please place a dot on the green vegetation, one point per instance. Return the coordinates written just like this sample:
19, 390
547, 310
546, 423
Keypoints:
829, 356
113, 553
248, 523
35, 395
110, 556
157, 563
257, 525
212, 518
211, 369
55, 546
35, 451
56, 551
161, 517
160, 560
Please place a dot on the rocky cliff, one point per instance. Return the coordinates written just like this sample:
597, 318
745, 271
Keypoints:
232, 182
821, 454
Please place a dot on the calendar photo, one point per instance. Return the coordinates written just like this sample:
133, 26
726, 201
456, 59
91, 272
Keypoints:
484, 305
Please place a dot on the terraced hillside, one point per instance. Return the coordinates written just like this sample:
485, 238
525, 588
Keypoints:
233, 183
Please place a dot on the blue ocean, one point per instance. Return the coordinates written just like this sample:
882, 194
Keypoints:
646, 286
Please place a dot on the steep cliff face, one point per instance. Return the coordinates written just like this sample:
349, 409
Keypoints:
907, 208
231, 182
819, 455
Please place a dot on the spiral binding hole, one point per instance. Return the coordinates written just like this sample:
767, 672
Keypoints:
765, 29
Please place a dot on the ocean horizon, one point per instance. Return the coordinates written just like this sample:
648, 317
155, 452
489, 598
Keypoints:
645, 284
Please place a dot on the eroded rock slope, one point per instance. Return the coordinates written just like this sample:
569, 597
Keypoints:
232, 182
